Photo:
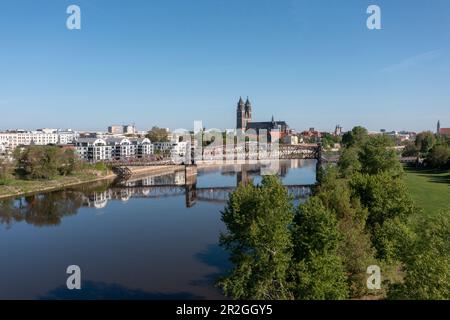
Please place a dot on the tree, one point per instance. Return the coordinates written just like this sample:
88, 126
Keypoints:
355, 247
320, 277
425, 141
377, 155
410, 150
427, 262
385, 197
45, 162
158, 135
439, 156
68, 162
318, 269
5, 168
349, 161
355, 137
258, 219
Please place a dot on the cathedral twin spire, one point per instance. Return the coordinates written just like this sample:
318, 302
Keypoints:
244, 113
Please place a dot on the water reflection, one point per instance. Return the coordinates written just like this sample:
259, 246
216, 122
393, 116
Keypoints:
48, 209
152, 237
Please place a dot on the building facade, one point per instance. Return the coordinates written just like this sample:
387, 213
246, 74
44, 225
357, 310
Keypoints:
95, 149
40, 137
244, 122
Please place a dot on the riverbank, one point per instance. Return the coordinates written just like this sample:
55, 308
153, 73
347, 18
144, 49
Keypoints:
14, 188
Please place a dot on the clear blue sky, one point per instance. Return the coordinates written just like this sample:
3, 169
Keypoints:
312, 63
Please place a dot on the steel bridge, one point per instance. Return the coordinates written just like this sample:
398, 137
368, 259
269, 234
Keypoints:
191, 193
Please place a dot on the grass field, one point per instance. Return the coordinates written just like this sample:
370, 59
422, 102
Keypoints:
430, 189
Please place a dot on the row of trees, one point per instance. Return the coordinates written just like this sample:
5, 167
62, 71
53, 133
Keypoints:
434, 149
360, 215
40, 162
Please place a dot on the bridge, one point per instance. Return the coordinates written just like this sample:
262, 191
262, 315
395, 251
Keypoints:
222, 154
192, 194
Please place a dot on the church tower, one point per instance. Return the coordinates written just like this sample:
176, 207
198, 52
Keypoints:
240, 115
438, 128
248, 112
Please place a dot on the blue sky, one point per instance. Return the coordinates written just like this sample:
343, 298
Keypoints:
312, 63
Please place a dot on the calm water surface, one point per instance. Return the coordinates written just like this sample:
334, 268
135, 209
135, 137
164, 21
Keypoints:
131, 240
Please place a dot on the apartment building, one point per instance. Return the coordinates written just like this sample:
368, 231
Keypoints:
41, 137
95, 149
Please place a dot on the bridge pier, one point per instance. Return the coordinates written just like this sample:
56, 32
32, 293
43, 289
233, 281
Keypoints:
190, 174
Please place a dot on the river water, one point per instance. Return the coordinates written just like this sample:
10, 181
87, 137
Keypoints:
148, 238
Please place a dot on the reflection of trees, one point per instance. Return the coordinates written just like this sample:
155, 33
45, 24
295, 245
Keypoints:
47, 209
41, 210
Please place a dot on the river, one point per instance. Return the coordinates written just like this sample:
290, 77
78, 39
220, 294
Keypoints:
131, 240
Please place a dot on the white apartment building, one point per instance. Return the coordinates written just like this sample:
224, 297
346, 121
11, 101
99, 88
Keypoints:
95, 149
41, 137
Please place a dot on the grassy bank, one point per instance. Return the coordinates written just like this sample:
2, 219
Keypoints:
15, 187
430, 189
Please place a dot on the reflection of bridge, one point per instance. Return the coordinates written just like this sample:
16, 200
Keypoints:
191, 192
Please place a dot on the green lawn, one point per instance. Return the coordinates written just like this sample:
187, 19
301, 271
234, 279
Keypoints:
429, 189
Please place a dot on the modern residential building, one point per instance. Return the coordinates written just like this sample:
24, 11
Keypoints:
12, 139
95, 149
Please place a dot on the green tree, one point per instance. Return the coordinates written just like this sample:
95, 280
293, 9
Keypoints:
355, 137
5, 169
68, 162
259, 241
355, 247
349, 161
158, 135
318, 269
410, 150
439, 156
427, 262
425, 141
385, 197
377, 155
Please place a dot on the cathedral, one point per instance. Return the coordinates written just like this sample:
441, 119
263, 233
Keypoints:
244, 121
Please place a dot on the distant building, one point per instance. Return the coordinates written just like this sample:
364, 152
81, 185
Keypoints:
13, 139
122, 129
338, 130
115, 129
129, 129
442, 131
244, 121
290, 140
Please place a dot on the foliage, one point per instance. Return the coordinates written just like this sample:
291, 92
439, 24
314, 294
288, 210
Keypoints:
356, 137
319, 271
377, 155
259, 241
328, 140
427, 262
385, 198
439, 156
349, 161
425, 141
410, 150
45, 162
320, 277
158, 135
